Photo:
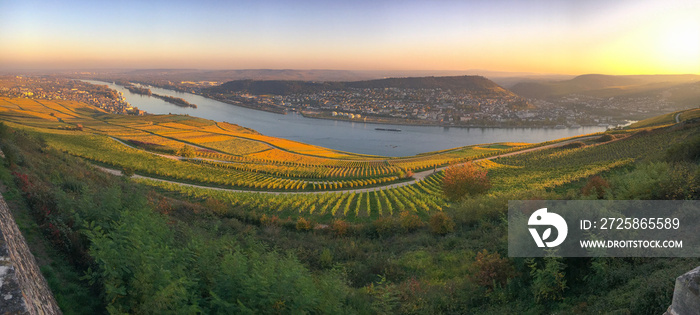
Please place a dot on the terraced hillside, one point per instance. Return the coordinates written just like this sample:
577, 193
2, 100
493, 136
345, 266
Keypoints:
214, 153
210, 226
188, 156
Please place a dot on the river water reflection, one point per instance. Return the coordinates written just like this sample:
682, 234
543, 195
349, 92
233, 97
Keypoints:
342, 135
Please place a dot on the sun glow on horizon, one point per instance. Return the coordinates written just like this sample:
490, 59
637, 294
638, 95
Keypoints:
624, 37
679, 44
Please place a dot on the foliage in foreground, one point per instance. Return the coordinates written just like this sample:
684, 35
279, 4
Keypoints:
150, 253
141, 261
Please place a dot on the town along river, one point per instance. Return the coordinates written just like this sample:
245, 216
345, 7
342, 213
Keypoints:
343, 135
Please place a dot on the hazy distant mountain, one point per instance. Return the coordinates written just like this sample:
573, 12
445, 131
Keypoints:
602, 85
243, 74
456, 83
473, 84
276, 87
510, 81
687, 95
506, 79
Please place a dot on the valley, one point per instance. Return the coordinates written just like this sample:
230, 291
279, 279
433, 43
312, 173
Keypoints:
213, 191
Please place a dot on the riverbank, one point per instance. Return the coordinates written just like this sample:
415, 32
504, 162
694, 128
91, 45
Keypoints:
347, 135
174, 100
423, 123
256, 106
323, 115
178, 101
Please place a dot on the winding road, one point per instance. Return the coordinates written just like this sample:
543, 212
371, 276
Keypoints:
416, 176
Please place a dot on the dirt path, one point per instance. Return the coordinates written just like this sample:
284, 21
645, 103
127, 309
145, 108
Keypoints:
416, 176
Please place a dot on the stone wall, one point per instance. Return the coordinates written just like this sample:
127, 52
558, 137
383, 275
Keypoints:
686, 294
23, 289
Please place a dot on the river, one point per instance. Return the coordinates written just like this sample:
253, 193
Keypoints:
343, 135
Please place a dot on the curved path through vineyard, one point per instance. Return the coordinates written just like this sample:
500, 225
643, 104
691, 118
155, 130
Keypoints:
416, 176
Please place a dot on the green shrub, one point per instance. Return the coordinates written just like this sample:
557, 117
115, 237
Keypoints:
641, 183
682, 182
410, 221
573, 145
655, 296
326, 258
385, 226
266, 220
548, 283
605, 138
597, 186
659, 180
339, 227
485, 207
303, 224
186, 151
688, 150
490, 270
441, 224
128, 171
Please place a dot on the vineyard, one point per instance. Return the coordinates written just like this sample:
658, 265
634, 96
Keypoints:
668, 119
549, 168
164, 213
421, 199
220, 154
543, 169
309, 180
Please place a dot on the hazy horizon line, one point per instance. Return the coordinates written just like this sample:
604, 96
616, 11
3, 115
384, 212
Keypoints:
41, 70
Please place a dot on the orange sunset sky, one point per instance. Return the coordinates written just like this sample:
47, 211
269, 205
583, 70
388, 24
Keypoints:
568, 37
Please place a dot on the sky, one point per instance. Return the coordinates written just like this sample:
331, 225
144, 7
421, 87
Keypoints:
564, 37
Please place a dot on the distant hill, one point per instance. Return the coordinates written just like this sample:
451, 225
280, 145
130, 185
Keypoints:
455, 83
472, 84
244, 74
505, 79
276, 87
602, 85
687, 95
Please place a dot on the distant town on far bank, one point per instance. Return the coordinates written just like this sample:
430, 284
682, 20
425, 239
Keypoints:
505, 100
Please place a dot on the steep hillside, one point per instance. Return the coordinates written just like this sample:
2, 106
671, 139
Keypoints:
178, 75
472, 84
232, 252
276, 87
602, 85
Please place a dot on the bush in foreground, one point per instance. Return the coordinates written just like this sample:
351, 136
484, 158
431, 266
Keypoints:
463, 180
441, 224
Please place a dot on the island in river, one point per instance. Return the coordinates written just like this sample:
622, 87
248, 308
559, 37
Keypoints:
146, 91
